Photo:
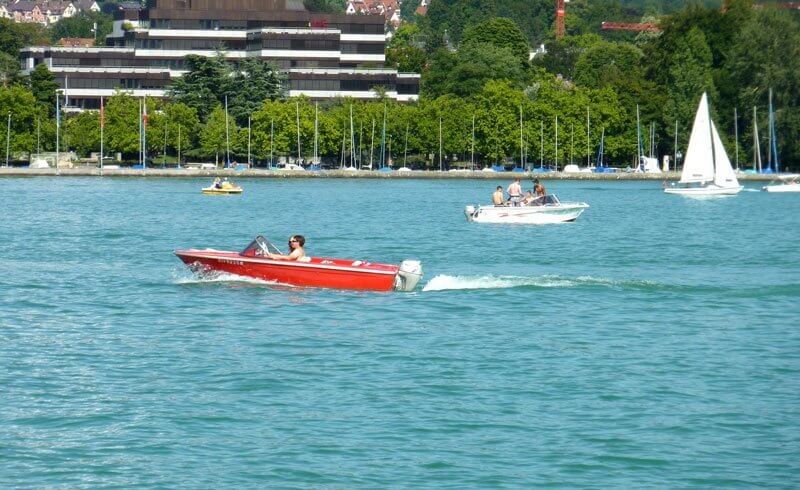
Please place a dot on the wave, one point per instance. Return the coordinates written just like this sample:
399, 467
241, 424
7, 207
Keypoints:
212, 277
449, 283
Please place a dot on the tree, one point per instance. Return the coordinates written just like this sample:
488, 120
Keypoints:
122, 123
213, 138
689, 76
44, 86
205, 84
404, 52
21, 104
16, 35
82, 132
255, 82
500, 33
82, 25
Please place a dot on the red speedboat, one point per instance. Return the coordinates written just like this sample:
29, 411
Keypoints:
310, 271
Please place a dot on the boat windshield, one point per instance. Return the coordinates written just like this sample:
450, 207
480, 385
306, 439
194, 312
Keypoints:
550, 199
260, 246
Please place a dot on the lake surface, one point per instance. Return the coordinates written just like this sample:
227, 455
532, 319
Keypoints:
653, 343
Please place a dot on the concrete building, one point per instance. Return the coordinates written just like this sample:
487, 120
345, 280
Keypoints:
324, 55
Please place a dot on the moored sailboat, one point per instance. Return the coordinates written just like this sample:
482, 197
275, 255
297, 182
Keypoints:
707, 171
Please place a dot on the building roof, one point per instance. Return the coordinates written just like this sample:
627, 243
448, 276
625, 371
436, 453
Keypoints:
22, 6
76, 42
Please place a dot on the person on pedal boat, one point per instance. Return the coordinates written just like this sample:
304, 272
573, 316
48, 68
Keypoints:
515, 193
497, 197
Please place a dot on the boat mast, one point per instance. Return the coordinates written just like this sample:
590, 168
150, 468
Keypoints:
675, 151
249, 141
38, 135
571, 142
8, 137
736, 134
102, 125
556, 142
352, 140
541, 146
441, 165
638, 139
756, 143
316, 132
58, 125
372, 145
179, 145
588, 136
713, 150
297, 106
271, 141
227, 137
405, 153
165, 143
383, 139
773, 136
521, 143
472, 158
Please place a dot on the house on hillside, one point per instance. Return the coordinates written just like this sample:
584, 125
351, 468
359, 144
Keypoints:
423, 8
4, 12
86, 6
76, 42
55, 11
24, 11
389, 9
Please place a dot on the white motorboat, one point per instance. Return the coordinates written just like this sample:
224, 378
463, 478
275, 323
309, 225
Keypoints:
543, 210
784, 183
707, 164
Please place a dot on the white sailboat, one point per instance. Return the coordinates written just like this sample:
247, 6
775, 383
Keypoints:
707, 171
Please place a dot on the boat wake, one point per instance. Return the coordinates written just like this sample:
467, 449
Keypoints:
213, 277
450, 283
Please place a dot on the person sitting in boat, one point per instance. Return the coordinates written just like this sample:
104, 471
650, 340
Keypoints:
515, 193
497, 197
528, 199
296, 243
217, 183
538, 188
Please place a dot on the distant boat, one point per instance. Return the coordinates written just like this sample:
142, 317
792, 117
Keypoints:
784, 183
544, 210
706, 164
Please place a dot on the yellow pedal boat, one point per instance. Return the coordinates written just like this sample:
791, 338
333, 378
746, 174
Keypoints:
224, 188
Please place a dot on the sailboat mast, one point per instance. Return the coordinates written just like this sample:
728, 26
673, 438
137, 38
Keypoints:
249, 141
638, 139
588, 136
541, 146
316, 132
756, 143
736, 134
405, 153
8, 137
372, 145
383, 139
556, 142
297, 106
521, 143
271, 141
472, 158
227, 136
441, 164
675, 151
713, 149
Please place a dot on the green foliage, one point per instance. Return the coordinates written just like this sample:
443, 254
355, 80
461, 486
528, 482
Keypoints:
533, 17
213, 137
326, 6
122, 124
403, 51
500, 33
20, 103
82, 25
82, 132
211, 79
16, 35
44, 86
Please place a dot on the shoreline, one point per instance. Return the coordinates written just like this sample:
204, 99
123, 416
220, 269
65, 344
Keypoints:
343, 174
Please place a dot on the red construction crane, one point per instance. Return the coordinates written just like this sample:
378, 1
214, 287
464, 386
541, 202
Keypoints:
560, 11
630, 26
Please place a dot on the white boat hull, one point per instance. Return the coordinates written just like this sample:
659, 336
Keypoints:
526, 215
705, 191
782, 188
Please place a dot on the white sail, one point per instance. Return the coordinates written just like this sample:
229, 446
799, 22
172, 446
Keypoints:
724, 176
699, 163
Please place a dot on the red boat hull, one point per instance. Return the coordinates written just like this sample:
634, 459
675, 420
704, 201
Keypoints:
317, 272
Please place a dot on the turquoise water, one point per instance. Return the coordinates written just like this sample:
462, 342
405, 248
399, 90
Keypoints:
653, 343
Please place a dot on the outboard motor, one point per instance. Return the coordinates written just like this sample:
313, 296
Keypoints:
470, 212
408, 276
